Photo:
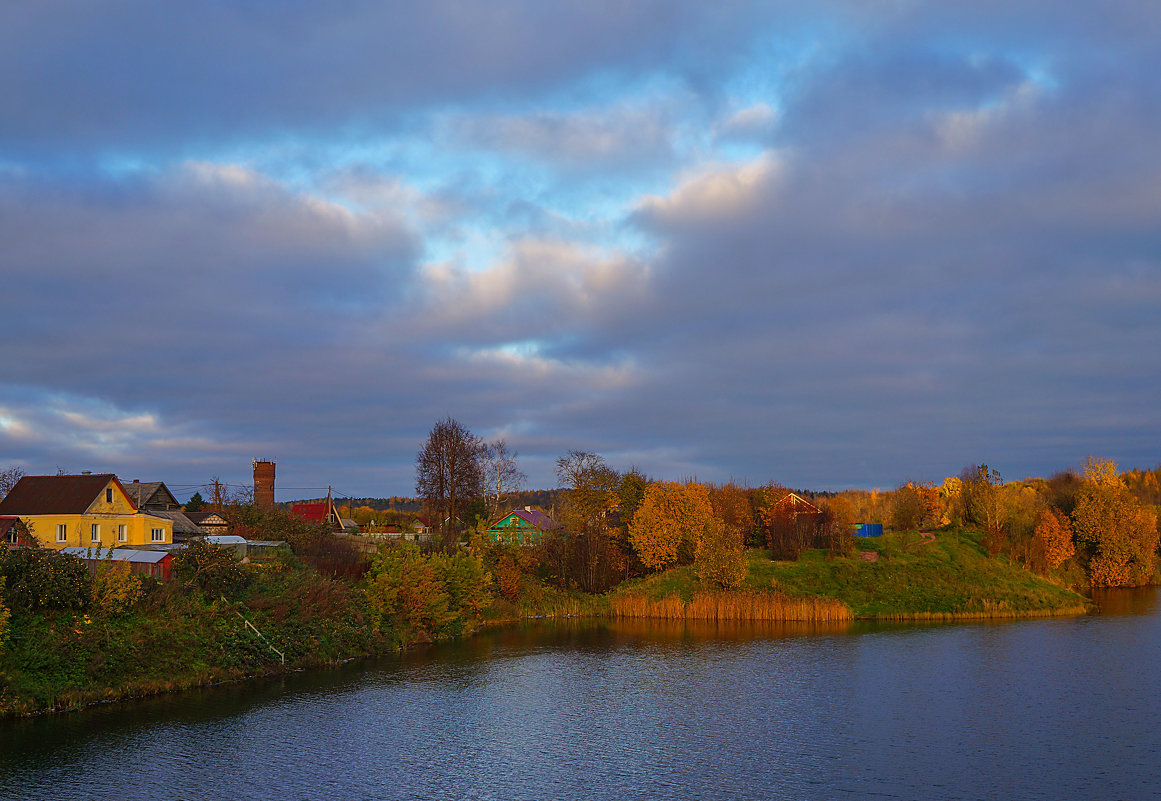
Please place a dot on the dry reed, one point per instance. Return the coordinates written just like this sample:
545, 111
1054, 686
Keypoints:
731, 606
986, 614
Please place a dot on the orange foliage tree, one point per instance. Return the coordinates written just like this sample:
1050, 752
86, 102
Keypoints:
1118, 536
670, 523
1052, 541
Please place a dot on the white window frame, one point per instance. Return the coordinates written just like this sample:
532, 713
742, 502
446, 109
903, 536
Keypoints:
122, 532
95, 533
62, 532
157, 535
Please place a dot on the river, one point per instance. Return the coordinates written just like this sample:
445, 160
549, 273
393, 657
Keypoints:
1053, 709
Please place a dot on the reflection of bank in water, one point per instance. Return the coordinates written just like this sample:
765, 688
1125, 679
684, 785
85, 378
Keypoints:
1127, 601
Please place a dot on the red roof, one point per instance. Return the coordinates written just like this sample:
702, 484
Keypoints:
61, 495
310, 512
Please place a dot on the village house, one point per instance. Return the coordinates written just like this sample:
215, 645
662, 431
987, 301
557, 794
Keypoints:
525, 526
85, 510
209, 522
154, 497
319, 514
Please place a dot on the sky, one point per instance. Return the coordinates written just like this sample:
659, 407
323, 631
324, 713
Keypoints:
832, 245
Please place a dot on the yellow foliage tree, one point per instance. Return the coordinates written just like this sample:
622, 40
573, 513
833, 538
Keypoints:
720, 556
116, 588
1052, 540
670, 523
1118, 536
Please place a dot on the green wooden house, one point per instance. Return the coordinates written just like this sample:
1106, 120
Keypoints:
525, 526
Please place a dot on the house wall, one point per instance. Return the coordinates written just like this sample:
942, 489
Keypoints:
514, 529
78, 529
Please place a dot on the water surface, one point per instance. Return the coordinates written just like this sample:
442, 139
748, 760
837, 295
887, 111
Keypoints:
599, 710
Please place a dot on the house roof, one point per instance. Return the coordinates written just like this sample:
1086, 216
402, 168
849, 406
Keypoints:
797, 501
6, 523
201, 518
533, 517
311, 512
62, 495
116, 554
181, 522
143, 493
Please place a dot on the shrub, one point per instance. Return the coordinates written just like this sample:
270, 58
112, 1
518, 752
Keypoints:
116, 588
41, 578
213, 569
4, 614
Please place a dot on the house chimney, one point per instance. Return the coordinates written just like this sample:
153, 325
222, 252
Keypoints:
263, 483
86, 472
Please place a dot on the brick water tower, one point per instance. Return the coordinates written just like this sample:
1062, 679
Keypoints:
263, 483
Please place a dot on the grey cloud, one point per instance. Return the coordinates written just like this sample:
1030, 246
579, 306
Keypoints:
126, 76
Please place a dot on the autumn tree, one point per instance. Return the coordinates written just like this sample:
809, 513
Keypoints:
448, 476
720, 557
1052, 541
502, 475
732, 505
584, 554
915, 505
1114, 532
981, 503
670, 523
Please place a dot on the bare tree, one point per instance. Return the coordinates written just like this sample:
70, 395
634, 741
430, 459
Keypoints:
448, 476
502, 475
8, 478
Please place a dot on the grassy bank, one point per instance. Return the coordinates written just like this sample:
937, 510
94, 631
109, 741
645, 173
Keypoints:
176, 638
911, 577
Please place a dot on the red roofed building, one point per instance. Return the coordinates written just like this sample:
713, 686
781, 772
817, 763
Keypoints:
318, 514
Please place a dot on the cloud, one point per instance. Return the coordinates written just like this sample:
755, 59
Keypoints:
715, 192
550, 221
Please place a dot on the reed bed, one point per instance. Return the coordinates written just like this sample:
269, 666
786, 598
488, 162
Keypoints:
773, 606
986, 614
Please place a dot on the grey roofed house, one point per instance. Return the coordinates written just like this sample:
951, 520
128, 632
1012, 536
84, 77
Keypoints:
154, 497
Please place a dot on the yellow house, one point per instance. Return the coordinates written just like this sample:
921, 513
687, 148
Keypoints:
88, 511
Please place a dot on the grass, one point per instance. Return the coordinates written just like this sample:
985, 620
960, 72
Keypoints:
913, 578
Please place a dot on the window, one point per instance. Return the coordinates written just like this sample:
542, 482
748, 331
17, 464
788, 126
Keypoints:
12, 535
96, 535
122, 533
108, 494
62, 532
159, 535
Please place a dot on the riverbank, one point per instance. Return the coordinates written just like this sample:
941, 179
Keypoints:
176, 640
899, 576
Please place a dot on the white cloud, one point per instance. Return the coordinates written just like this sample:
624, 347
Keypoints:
716, 192
964, 128
539, 286
754, 121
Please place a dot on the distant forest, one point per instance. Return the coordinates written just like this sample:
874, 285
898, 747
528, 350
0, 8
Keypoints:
547, 500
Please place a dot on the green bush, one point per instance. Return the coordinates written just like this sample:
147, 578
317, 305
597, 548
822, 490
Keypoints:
41, 578
213, 569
